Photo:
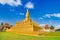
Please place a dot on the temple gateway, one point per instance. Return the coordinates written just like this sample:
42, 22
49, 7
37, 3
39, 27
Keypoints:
27, 26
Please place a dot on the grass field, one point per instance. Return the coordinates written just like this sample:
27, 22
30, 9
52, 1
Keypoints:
13, 36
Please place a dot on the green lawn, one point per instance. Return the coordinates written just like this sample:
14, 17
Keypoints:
53, 34
13, 36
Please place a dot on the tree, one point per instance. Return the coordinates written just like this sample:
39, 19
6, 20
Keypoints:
52, 27
1, 26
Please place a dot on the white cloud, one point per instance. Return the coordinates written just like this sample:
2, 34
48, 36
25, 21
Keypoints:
40, 18
42, 25
53, 15
56, 15
57, 26
21, 13
11, 2
48, 15
29, 5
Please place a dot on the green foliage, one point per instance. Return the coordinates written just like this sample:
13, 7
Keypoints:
2, 24
52, 27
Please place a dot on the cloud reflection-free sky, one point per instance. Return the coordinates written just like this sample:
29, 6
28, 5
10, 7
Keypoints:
41, 11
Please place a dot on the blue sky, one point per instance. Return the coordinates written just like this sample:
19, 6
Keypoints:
41, 11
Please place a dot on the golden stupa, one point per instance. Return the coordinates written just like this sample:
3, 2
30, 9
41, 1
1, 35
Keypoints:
27, 26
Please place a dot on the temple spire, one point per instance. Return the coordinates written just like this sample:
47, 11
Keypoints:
27, 14
27, 19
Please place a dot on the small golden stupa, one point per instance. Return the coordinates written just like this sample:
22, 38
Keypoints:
27, 26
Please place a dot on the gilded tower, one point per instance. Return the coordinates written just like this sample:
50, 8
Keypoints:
27, 15
27, 26
27, 19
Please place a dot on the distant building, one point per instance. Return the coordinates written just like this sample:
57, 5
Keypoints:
57, 30
46, 28
7, 25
